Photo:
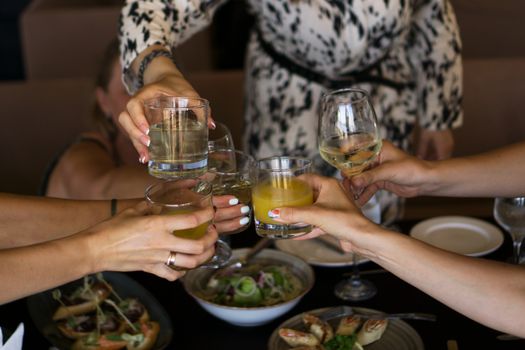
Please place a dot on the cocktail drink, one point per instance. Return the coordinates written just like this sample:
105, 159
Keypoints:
232, 172
183, 196
179, 136
279, 185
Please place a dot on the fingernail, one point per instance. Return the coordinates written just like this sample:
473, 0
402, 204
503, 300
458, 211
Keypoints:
245, 209
274, 213
213, 126
245, 220
145, 140
233, 201
145, 128
142, 159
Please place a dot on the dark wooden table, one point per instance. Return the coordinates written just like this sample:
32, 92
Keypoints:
194, 328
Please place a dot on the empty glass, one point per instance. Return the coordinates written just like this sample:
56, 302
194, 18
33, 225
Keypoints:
510, 214
220, 137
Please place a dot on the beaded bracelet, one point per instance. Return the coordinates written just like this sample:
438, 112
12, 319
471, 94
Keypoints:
147, 60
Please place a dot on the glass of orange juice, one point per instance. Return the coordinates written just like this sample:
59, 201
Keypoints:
278, 185
183, 196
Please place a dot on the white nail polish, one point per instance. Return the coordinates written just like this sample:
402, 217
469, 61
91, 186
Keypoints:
142, 160
147, 131
148, 143
244, 221
233, 201
245, 209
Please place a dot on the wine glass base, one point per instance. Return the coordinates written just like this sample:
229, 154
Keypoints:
355, 289
222, 256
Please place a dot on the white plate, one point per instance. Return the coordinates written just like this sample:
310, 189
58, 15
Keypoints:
398, 335
316, 253
458, 234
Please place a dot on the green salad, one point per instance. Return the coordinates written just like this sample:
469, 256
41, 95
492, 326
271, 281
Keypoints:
253, 285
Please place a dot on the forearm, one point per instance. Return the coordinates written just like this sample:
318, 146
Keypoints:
28, 270
28, 220
497, 173
486, 291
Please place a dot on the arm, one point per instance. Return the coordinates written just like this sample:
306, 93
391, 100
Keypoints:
169, 24
486, 291
87, 171
26, 220
473, 176
130, 241
434, 49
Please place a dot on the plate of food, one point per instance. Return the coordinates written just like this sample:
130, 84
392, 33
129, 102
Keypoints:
459, 234
361, 330
108, 309
320, 251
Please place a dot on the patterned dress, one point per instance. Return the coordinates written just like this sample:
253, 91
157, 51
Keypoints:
406, 53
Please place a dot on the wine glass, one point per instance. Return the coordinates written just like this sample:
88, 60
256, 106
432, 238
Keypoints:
349, 139
510, 214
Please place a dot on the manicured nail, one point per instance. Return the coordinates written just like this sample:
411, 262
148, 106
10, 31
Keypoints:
274, 213
213, 126
142, 159
145, 140
145, 128
233, 201
245, 220
245, 209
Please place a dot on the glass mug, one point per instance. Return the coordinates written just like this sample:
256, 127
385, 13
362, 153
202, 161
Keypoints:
179, 136
183, 196
278, 185
232, 172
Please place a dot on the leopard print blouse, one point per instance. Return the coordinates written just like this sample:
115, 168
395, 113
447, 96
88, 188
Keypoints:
407, 41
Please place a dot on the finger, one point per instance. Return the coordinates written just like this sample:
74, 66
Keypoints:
138, 138
288, 215
316, 232
163, 271
135, 108
231, 212
224, 201
187, 220
227, 226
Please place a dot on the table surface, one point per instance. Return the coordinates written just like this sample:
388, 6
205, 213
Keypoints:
394, 295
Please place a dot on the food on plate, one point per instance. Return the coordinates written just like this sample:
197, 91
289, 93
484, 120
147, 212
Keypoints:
84, 299
113, 323
371, 331
348, 325
351, 333
298, 338
321, 329
253, 285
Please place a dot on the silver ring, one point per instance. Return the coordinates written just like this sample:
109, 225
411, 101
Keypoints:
171, 259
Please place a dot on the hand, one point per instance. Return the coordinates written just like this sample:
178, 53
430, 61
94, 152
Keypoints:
333, 211
230, 214
134, 121
435, 144
396, 172
134, 241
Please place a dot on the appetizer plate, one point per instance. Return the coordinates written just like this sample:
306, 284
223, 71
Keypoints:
458, 234
316, 252
42, 307
398, 335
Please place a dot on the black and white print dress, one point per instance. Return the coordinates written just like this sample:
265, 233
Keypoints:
406, 53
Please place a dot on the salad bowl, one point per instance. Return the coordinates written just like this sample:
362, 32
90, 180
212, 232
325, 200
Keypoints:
272, 284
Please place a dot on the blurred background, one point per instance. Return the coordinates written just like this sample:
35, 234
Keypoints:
49, 53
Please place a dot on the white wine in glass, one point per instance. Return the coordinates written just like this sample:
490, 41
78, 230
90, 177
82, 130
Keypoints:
349, 140
510, 214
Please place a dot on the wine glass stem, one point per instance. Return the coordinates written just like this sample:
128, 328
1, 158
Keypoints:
516, 244
355, 269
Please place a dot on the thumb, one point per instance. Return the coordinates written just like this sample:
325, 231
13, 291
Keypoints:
290, 215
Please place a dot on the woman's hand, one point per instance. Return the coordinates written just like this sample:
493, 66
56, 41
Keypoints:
134, 121
134, 241
230, 215
333, 212
397, 172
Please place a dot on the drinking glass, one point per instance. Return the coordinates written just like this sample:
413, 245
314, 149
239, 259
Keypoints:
278, 185
220, 137
349, 139
179, 136
232, 172
510, 214
183, 196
